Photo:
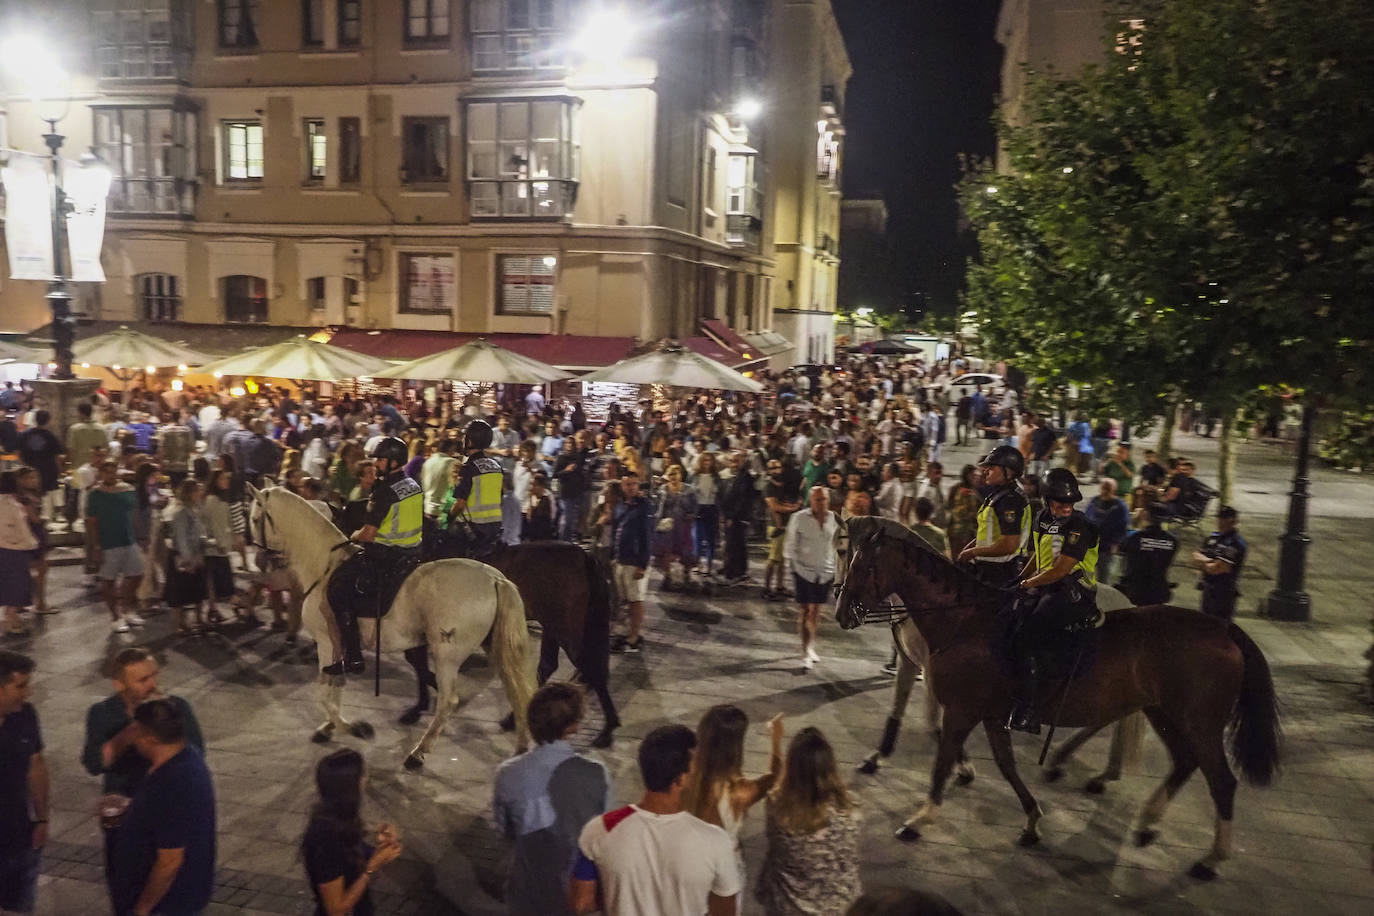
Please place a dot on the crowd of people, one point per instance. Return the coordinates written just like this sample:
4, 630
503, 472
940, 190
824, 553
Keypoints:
160, 484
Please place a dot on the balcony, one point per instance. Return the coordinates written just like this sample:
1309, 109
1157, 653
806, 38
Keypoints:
743, 230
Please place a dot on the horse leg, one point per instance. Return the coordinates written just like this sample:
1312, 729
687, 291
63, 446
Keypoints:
603, 694
548, 664
1000, 741
1055, 771
330, 690
1115, 756
446, 662
1211, 756
951, 742
1184, 763
418, 656
901, 696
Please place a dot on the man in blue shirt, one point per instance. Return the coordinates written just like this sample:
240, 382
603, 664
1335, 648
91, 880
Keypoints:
165, 853
552, 443
630, 548
542, 799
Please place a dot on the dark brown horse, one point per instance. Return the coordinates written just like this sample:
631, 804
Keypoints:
567, 591
1194, 676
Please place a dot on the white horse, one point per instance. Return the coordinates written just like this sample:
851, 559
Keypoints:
449, 605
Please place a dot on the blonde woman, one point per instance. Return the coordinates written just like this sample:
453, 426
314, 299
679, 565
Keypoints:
674, 523
811, 867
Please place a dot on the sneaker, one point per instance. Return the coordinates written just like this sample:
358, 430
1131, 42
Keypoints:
134, 620
120, 626
618, 642
634, 648
808, 663
811, 654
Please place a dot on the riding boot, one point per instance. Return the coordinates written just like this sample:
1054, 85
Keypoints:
352, 643
1024, 715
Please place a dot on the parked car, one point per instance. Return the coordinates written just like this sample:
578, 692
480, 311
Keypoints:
993, 386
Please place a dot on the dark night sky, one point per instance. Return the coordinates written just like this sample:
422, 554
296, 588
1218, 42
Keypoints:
926, 74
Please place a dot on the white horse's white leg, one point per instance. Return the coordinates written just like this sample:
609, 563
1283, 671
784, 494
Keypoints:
444, 662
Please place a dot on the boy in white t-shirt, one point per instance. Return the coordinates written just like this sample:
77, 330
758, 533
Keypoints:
653, 858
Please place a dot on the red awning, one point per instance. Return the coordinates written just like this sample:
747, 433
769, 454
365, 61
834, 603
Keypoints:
713, 350
567, 351
723, 334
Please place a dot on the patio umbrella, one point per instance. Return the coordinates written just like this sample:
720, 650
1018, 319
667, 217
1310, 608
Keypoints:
673, 364
478, 361
127, 349
18, 353
301, 359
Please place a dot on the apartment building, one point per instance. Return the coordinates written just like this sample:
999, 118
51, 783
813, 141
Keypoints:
572, 177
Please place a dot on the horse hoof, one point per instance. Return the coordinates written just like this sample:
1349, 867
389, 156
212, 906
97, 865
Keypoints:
411, 716
1095, 786
362, 730
869, 766
322, 735
414, 762
963, 779
604, 738
1201, 871
1146, 837
508, 723
1054, 774
1027, 838
908, 834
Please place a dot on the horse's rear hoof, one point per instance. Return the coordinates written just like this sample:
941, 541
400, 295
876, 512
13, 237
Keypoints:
1027, 838
1095, 786
362, 730
964, 778
414, 762
604, 738
869, 766
322, 735
908, 834
411, 716
1201, 871
508, 723
1146, 837
1054, 774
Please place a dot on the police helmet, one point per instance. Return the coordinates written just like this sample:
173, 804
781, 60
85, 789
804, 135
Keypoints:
1061, 486
478, 434
1005, 456
393, 449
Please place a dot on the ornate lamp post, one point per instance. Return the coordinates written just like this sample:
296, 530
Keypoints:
1289, 600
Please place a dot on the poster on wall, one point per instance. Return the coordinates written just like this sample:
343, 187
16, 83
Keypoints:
28, 217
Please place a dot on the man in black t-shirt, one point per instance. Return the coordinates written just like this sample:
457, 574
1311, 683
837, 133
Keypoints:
1042, 442
1147, 555
782, 498
570, 470
23, 786
42, 451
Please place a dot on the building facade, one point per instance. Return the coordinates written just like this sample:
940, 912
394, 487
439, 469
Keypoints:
479, 167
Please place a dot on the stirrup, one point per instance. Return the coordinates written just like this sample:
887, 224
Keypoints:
333, 670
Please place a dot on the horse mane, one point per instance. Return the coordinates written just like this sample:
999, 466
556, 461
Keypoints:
938, 567
283, 496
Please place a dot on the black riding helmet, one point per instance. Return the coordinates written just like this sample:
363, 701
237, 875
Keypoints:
478, 434
1061, 486
392, 448
1005, 456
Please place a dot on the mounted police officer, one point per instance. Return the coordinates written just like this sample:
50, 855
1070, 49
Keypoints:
1004, 519
475, 518
390, 537
1059, 590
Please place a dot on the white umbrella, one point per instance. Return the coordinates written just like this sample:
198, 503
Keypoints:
478, 361
674, 364
18, 353
299, 358
127, 349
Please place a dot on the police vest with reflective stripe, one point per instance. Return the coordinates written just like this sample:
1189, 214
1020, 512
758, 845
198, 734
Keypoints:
484, 500
990, 531
1048, 545
404, 522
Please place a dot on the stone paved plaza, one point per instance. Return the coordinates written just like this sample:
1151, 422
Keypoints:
1301, 846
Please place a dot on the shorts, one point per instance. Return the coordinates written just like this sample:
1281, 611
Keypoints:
775, 544
119, 562
812, 592
19, 879
627, 586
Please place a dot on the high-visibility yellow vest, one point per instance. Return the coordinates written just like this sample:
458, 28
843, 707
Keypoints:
990, 531
404, 522
1047, 548
484, 502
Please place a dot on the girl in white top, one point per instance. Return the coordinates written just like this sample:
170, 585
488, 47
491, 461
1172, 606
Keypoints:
717, 791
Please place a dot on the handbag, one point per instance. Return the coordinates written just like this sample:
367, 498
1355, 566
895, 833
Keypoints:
665, 524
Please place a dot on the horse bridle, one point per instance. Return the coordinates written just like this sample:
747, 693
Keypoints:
266, 520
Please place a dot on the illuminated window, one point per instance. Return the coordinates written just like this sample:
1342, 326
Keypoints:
525, 284
522, 159
243, 150
316, 150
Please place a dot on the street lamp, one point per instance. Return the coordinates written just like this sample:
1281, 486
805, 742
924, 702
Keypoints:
748, 109
31, 65
605, 36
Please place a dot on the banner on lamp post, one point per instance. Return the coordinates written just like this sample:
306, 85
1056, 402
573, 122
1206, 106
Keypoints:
86, 190
28, 217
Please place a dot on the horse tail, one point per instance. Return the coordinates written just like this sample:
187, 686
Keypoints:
510, 644
1255, 729
596, 636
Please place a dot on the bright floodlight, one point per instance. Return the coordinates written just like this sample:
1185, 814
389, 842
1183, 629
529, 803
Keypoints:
749, 109
550, 262
30, 62
606, 35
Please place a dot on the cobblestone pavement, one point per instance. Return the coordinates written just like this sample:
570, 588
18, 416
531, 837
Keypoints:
1303, 845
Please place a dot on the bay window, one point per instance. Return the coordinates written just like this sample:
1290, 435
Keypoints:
518, 34
522, 159
151, 152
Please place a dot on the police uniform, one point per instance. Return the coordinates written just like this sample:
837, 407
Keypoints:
1219, 591
480, 483
1147, 555
1004, 511
396, 508
1073, 536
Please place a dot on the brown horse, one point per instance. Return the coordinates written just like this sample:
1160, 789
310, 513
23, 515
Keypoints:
566, 590
1192, 675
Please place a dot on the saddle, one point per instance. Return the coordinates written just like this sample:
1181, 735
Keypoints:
367, 585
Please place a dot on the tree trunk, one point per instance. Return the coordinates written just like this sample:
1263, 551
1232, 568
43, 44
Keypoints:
1166, 432
1226, 458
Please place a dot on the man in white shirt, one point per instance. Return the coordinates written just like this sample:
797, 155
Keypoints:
931, 488
653, 858
810, 548
436, 480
